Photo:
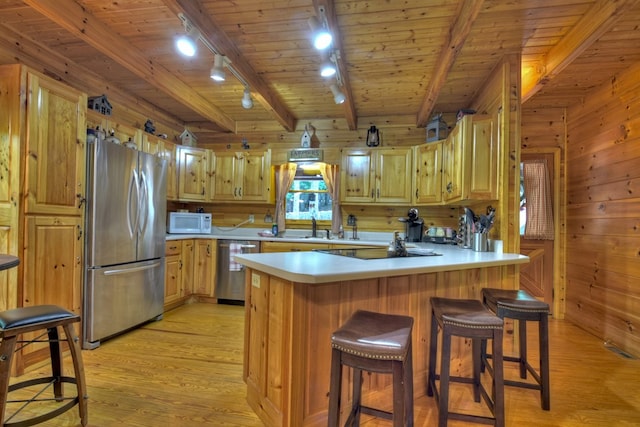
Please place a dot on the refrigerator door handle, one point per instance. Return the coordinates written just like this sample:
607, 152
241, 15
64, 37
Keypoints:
143, 202
132, 223
131, 270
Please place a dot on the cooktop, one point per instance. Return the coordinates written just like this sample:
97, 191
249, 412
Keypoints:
376, 252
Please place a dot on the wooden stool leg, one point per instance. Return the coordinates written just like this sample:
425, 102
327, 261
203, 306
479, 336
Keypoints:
357, 396
78, 368
433, 351
408, 387
476, 348
498, 379
397, 372
55, 352
522, 330
545, 393
7, 347
335, 389
445, 367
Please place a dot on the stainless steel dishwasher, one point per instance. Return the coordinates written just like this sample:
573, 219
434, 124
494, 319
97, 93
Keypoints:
230, 274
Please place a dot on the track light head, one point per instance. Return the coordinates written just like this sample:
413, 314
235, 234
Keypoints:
338, 96
217, 71
187, 44
247, 102
328, 69
320, 34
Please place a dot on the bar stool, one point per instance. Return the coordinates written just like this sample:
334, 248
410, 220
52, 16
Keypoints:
470, 319
519, 305
29, 319
373, 342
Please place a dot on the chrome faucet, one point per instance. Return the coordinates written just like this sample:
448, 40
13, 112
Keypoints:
314, 231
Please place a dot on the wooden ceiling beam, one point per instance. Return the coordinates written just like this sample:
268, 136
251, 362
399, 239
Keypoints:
458, 33
219, 40
77, 20
600, 18
332, 22
49, 62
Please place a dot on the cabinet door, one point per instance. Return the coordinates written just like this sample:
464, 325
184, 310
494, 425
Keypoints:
255, 176
170, 154
152, 144
52, 262
187, 267
483, 173
172, 279
192, 173
452, 171
55, 148
393, 172
357, 177
428, 173
223, 184
125, 133
11, 102
205, 267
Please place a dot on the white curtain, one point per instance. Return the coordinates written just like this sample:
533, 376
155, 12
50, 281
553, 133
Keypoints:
284, 178
331, 176
537, 192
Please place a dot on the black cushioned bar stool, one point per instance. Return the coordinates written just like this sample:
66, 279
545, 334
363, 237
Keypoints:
29, 319
470, 319
519, 305
373, 342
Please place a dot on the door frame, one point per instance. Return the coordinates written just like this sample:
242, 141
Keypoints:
559, 288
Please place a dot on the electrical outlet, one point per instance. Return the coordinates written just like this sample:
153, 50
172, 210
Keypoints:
251, 219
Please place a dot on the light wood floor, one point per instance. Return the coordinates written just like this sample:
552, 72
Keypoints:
186, 370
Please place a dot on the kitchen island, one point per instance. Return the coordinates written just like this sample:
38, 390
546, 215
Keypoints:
297, 299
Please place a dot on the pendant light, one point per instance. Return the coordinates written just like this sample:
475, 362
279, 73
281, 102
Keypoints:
247, 102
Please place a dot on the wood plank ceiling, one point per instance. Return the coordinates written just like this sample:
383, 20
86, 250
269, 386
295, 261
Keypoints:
407, 59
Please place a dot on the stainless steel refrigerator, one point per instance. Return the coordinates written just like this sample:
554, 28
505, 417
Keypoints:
125, 240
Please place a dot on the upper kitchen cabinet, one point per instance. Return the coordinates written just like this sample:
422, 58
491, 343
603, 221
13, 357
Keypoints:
12, 98
55, 148
427, 160
192, 174
376, 175
470, 160
170, 154
240, 176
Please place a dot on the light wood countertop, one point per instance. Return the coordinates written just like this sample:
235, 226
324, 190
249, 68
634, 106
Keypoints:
316, 267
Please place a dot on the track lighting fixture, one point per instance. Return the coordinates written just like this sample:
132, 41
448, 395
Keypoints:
338, 96
187, 43
247, 102
320, 34
328, 67
217, 71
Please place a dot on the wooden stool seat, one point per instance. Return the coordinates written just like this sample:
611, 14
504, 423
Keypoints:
519, 305
29, 319
470, 319
373, 342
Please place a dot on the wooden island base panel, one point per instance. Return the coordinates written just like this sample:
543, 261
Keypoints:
295, 300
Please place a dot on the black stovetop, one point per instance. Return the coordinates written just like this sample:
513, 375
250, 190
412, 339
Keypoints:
376, 252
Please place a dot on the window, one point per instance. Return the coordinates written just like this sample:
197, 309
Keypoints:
308, 196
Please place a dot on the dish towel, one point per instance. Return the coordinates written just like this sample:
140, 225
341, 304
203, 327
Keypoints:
234, 249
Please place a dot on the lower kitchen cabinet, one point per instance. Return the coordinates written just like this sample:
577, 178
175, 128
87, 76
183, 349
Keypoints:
52, 269
172, 273
205, 267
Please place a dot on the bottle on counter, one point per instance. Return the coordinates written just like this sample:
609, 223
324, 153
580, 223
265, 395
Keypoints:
274, 229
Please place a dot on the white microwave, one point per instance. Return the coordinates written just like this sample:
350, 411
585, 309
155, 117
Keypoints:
189, 223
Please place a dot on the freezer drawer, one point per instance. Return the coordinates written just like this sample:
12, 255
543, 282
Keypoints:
120, 297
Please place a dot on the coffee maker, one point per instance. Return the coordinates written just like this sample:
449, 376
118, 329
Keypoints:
413, 226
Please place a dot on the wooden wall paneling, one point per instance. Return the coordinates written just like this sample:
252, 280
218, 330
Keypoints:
602, 173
